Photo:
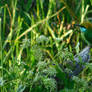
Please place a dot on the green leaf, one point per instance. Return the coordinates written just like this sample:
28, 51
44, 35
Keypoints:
91, 2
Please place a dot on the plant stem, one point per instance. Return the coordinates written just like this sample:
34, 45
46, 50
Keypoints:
1, 54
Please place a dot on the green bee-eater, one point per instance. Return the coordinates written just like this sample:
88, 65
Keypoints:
86, 31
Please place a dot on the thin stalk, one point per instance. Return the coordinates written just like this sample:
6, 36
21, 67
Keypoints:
4, 22
84, 11
13, 22
1, 53
38, 23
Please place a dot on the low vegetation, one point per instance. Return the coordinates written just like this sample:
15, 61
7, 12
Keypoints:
36, 42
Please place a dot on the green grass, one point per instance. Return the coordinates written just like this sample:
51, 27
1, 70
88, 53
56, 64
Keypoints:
36, 42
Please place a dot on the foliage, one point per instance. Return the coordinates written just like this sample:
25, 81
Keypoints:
37, 41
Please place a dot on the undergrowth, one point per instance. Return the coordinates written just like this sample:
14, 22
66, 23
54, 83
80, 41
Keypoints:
37, 41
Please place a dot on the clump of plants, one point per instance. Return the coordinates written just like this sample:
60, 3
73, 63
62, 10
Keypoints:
37, 42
